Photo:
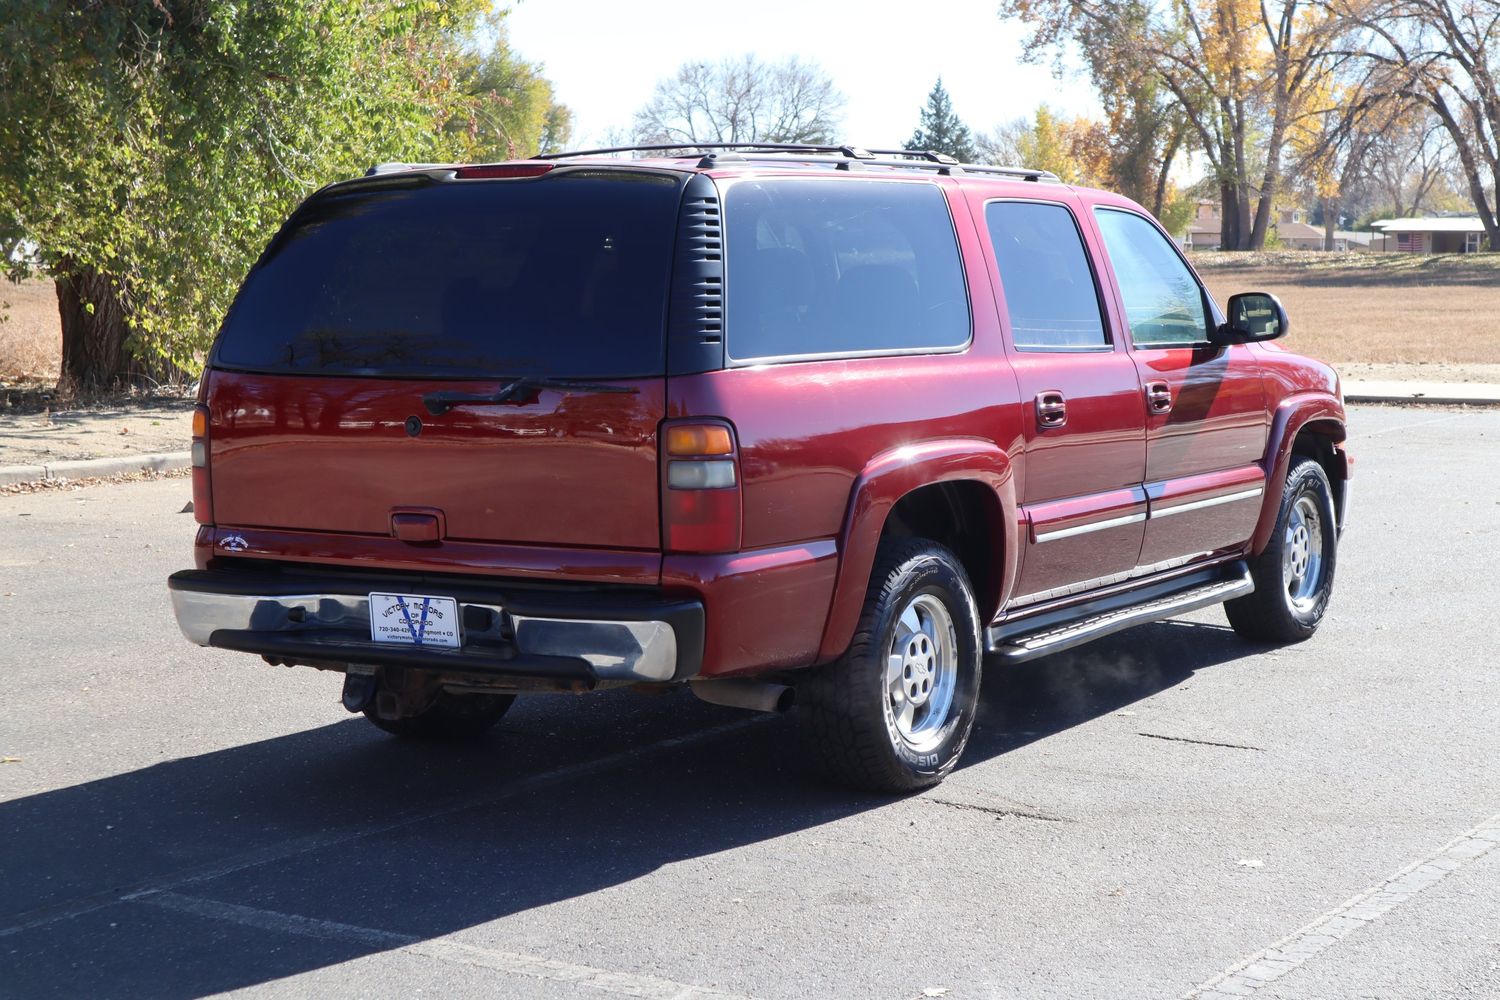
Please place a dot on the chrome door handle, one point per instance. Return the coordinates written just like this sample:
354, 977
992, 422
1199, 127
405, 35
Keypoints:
1051, 409
1158, 397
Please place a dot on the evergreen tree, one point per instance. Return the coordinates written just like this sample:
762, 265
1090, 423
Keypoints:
941, 130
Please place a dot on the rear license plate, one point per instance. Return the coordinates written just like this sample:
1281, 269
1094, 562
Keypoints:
414, 620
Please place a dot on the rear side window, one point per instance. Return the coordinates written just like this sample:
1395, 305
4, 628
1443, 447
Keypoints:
565, 275
826, 267
1163, 302
1044, 271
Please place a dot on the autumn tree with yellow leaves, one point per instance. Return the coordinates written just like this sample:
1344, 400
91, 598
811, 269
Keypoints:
1240, 74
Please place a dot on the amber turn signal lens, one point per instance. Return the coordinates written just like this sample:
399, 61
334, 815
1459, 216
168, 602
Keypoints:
200, 423
700, 439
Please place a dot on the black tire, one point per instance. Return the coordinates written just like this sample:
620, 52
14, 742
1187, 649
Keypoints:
845, 712
450, 717
1284, 607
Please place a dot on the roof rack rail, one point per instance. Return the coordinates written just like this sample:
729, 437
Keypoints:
930, 155
853, 152
842, 157
1025, 173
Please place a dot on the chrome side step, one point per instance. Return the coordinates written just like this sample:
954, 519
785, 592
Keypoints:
1018, 647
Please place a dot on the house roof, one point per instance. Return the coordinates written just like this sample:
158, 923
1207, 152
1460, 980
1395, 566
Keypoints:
1470, 225
1298, 231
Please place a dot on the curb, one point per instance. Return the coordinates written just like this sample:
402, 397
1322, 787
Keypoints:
1375, 390
162, 462
1420, 398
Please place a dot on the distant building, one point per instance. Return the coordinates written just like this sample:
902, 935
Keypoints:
1205, 230
1428, 235
1298, 235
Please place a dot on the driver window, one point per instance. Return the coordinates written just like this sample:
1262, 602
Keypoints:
1163, 302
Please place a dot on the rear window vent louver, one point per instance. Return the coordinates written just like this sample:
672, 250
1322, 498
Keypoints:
695, 341
707, 248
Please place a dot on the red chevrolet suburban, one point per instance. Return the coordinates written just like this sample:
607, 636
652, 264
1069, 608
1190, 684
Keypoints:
803, 428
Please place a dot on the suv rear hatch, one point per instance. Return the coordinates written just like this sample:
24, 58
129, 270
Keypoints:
489, 353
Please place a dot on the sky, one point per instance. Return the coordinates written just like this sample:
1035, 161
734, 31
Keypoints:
604, 57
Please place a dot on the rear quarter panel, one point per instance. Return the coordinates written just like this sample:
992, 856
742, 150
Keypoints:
809, 433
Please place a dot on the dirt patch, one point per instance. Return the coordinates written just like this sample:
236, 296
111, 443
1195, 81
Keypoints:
1434, 371
1409, 316
137, 428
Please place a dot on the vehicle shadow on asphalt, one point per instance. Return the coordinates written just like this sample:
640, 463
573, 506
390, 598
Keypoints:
343, 825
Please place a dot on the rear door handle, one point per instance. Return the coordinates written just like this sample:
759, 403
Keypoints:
1051, 409
1158, 397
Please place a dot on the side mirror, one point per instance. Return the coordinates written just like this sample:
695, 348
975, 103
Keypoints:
1253, 316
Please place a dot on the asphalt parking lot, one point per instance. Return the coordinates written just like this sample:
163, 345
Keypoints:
1140, 818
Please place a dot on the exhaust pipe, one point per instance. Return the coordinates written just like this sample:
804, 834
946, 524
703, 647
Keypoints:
754, 695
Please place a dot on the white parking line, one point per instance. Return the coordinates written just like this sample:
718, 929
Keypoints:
1270, 964
317, 842
443, 949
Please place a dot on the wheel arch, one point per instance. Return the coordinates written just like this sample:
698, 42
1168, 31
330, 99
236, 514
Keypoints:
1312, 425
960, 492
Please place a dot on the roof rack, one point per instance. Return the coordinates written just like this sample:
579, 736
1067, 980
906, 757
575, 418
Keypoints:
930, 155
854, 152
842, 157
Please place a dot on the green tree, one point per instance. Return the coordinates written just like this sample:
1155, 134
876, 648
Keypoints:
1045, 147
1076, 150
941, 130
515, 112
150, 148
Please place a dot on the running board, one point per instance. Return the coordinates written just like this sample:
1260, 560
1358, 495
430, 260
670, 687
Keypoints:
1016, 648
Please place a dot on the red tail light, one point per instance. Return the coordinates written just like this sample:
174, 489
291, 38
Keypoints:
203, 501
701, 509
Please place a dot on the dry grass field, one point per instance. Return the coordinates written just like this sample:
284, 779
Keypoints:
1384, 309
1392, 311
30, 334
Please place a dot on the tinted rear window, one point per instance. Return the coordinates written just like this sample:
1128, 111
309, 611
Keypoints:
565, 275
832, 267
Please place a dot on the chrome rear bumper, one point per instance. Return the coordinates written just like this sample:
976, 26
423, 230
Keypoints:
593, 635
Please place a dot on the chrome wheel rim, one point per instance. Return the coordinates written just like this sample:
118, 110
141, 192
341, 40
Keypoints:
1302, 554
921, 672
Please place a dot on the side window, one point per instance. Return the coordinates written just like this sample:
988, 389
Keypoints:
833, 267
1044, 272
1163, 302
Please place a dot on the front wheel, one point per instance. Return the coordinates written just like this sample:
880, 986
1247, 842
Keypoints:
895, 712
450, 717
1294, 575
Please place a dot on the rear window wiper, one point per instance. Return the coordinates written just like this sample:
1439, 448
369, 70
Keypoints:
438, 403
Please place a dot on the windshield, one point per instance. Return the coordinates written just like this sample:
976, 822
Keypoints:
565, 275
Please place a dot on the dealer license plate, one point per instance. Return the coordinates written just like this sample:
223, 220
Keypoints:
414, 620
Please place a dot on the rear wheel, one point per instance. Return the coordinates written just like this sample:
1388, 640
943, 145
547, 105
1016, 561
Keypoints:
1294, 575
450, 717
895, 712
